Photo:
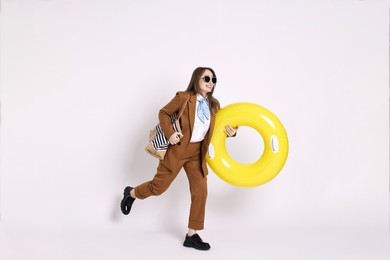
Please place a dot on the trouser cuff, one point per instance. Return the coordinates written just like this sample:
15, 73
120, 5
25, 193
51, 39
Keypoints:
196, 225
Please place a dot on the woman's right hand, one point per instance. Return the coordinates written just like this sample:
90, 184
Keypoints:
175, 138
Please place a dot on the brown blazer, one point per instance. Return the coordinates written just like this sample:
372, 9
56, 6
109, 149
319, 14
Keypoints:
187, 122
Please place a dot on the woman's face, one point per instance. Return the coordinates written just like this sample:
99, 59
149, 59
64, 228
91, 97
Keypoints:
206, 87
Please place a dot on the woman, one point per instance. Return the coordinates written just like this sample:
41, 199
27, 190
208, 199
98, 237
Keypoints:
187, 149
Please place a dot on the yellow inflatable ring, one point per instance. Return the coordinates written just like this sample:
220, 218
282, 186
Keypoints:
275, 145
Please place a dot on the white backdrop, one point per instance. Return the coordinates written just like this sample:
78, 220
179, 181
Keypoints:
82, 82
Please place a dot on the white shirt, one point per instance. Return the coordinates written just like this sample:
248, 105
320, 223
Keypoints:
200, 129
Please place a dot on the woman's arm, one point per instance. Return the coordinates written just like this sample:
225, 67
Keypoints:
169, 109
229, 130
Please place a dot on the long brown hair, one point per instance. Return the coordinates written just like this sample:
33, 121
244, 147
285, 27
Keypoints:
193, 87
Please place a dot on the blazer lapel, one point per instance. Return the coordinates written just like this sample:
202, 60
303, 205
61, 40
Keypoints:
191, 111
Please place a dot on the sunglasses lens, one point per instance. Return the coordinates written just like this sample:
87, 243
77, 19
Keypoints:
206, 79
214, 80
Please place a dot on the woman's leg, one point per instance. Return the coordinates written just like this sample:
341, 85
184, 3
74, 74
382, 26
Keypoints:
198, 189
191, 232
160, 183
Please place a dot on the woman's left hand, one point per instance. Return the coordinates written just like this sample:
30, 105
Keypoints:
231, 131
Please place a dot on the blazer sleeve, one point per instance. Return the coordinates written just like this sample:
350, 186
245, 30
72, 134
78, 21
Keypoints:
169, 109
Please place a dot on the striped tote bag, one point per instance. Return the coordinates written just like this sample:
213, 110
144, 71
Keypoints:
158, 142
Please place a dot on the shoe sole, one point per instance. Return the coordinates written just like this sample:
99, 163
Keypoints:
191, 246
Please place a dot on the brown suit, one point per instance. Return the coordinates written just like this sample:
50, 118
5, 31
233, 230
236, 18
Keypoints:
191, 156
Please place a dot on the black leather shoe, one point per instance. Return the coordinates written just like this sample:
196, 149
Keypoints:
196, 242
127, 201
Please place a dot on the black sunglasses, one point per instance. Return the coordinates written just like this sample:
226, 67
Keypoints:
208, 78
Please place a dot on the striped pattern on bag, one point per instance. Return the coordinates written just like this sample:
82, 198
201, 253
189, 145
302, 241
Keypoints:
160, 142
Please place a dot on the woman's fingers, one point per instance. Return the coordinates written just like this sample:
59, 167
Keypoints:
175, 138
230, 131
227, 130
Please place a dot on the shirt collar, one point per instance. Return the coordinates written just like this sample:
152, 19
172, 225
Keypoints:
199, 97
